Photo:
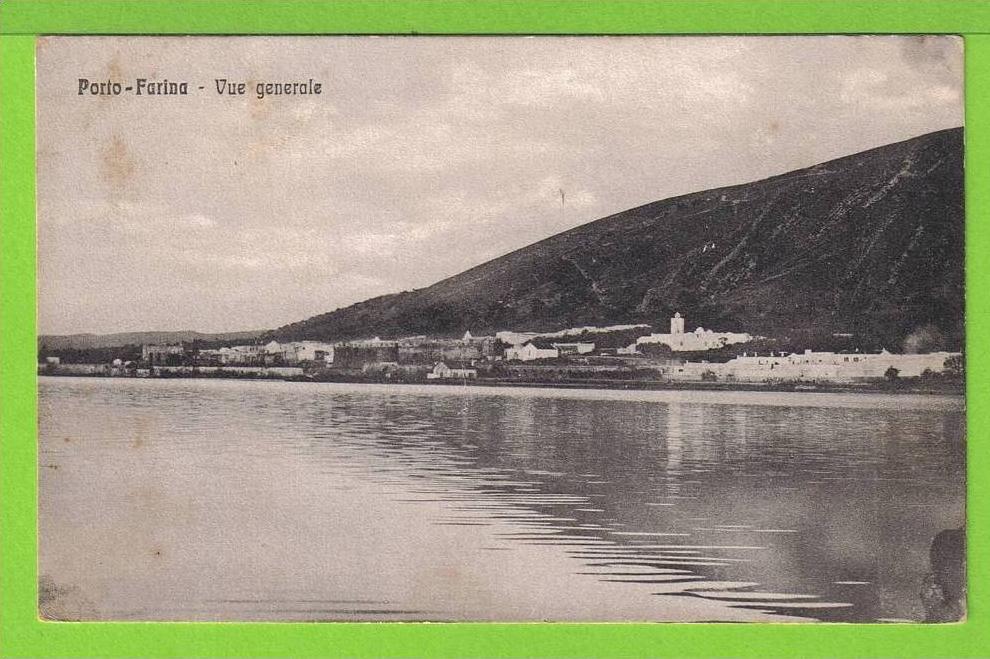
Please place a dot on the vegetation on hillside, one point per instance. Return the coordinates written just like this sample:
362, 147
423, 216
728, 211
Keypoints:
870, 245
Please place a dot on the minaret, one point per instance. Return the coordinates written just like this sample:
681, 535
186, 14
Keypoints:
677, 324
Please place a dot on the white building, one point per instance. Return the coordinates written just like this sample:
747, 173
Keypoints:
160, 354
300, 351
700, 339
874, 365
281, 350
315, 351
574, 348
818, 366
241, 354
374, 342
529, 352
443, 372
515, 338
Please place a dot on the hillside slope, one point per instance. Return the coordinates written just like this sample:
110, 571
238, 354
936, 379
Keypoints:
870, 244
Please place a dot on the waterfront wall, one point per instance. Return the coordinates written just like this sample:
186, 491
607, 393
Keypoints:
107, 370
260, 371
817, 367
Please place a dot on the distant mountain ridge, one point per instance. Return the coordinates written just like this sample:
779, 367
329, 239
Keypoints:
869, 244
86, 341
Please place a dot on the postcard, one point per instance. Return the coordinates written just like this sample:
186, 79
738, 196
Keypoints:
415, 328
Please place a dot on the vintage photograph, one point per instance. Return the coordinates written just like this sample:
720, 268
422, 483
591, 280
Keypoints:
410, 328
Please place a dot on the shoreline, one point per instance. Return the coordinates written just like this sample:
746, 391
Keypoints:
902, 387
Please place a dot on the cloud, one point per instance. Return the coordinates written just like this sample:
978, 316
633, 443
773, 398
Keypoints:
424, 156
870, 88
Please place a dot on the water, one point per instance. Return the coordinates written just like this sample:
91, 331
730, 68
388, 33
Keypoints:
248, 500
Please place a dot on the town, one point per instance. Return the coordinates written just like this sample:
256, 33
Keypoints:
591, 356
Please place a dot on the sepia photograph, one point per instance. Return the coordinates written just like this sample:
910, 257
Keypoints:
479, 328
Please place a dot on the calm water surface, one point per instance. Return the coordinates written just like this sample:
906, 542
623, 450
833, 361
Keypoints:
250, 500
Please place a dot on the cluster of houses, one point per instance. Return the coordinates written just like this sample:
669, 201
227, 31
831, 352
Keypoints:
435, 358
272, 353
808, 366
530, 354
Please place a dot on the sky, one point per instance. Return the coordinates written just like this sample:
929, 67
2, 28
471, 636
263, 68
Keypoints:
423, 156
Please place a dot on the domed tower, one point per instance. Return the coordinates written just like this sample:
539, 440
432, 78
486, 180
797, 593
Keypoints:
677, 324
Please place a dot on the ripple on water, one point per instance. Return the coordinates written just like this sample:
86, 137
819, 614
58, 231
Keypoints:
762, 504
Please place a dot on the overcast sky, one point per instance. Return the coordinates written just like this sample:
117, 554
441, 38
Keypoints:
422, 157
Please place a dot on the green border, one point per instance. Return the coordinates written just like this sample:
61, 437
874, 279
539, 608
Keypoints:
23, 635
492, 16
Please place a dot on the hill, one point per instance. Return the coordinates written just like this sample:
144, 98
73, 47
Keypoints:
869, 244
89, 341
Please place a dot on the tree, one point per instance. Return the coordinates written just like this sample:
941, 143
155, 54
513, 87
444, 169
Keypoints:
955, 365
656, 350
891, 374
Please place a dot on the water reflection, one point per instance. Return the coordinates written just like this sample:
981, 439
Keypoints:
824, 510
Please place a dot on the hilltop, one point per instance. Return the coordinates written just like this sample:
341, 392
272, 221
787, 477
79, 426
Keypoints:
870, 244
